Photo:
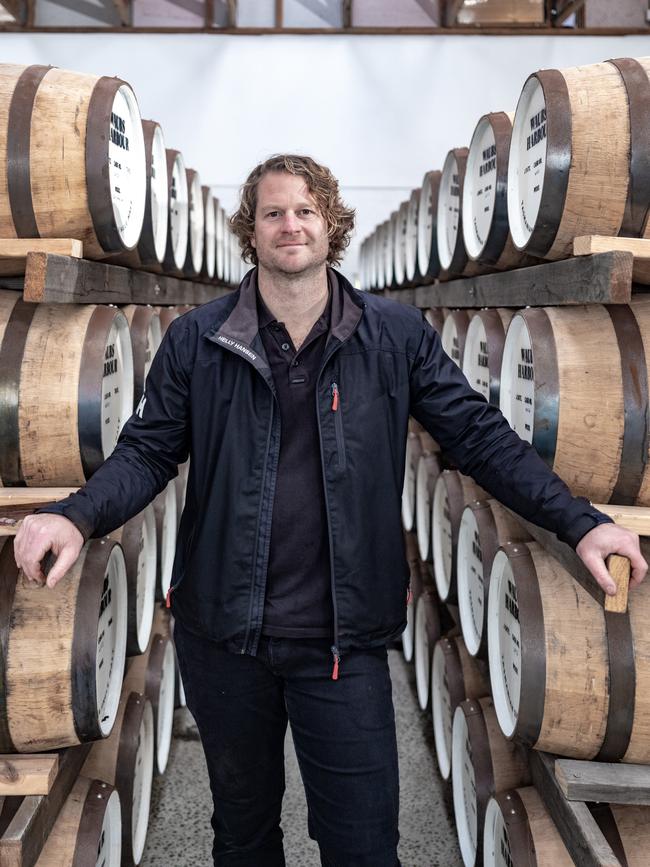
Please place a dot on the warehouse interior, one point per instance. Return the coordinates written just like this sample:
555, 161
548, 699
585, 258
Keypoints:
521, 689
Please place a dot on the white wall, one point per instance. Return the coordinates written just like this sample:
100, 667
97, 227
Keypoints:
379, 110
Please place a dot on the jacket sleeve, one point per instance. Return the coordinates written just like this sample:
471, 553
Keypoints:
483, 445
151, 445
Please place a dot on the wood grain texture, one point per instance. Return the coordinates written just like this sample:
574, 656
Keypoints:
633, 823
591, 418
634, 518
61, 279
60, 845
549, 848
577, 827
600, 142
639, 612
603, 781
58, 158
604, 278
27, 775
509, 760
639, 247
577, 663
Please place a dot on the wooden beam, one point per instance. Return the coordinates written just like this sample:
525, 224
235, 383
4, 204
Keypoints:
62, 279
566, 11
13, 251
582, 836
23, 840
639, 247
600, 781
604, 278
634, 518
124, 10
28, 775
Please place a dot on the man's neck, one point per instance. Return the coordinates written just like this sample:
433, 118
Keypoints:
298, 300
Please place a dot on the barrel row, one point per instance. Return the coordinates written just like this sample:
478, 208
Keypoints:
573, 159
109, 182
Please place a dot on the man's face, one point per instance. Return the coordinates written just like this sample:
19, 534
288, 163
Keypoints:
290, 234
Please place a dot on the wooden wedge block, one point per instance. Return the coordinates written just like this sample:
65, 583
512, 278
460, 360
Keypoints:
13, 251
586, 245
635, 518
28, 774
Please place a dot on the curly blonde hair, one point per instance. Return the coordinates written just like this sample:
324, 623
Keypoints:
322, 185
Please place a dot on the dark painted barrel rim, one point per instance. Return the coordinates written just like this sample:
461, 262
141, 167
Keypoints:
169, 263
499, 227
415, 197
125, 763
429, 598
207, 195
459, 256
547, 382
130, 543
393, 221
487, 530
91, 823
402, 222
8, 579
515, 817
481, 761
533, 643
100, 203
605, 820
622, 686
558, 160
188, 268
637, 85
634, 370
84, 640
454, 669
154, 672
11, 367
90, 393
439, 317
462, 320
147, 245
433, 179
456, 500
495, 334
138, 328
19, 122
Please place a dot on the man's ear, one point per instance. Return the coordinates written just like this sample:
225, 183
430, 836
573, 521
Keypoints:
252, 240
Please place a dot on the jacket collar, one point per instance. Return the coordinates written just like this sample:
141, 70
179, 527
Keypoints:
243, 324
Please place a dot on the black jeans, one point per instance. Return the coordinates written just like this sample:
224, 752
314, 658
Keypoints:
344, 736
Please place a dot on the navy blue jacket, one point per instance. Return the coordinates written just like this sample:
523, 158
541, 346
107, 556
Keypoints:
210, 395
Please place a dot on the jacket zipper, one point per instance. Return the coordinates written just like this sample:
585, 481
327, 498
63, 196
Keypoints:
338, 424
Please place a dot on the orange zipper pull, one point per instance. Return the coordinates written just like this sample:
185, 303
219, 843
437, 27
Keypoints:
168, 598
335, 397
337, 660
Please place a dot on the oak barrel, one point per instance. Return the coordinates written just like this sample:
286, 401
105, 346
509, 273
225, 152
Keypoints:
455, 676
454, 334
138, 540
553, 668
167, 316
413, 454
63, 658
428, 257
125, 760
428, 470
399, 245
196, 225
72, 161
485, 526
165, 510
578, 160
483, 763
483, 351
427, 633
519, 830
178, 213
88, 829
415, 588
453, 492
451, 249
144, 326
411, 269
574, 382
627, 830
436, 317
209, 240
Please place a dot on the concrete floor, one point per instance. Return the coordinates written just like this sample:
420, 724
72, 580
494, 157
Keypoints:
179, 827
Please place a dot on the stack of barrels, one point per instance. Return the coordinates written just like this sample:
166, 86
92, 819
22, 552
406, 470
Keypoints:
573, 159
516, 654
110, 182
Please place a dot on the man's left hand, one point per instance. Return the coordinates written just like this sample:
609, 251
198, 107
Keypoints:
605, 539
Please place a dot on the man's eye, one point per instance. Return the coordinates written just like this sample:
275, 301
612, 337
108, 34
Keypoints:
307, 211
272, 214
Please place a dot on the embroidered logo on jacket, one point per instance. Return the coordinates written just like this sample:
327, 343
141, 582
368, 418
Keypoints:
228, 341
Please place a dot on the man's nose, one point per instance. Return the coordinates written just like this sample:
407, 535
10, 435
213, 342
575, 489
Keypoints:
290, 222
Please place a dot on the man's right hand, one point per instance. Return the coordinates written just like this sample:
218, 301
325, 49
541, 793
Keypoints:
39, 534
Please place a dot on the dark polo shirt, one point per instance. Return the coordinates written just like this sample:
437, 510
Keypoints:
298, 601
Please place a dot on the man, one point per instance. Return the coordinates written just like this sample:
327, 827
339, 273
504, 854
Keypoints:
292, 397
